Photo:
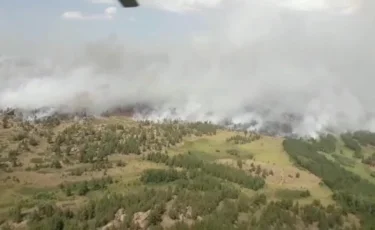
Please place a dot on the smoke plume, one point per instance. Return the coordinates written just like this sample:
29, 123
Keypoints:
308, 68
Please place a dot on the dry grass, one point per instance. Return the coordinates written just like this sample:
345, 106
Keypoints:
266, 152
285, 178
28, 183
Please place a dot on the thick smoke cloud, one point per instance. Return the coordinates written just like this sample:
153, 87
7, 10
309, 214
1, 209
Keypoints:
259, 61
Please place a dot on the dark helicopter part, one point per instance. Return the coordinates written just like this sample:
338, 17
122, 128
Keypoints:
129, 3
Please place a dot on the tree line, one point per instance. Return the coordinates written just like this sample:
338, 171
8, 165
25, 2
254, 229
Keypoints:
231, 174
211, 203
354, 193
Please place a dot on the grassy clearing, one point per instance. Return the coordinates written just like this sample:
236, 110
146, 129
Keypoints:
317, 191
363, 171
268, 150
345, 157
211, 148
288, 178
268, 153
344, 161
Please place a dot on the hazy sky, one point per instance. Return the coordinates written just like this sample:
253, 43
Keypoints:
209, 59
82, 20
47, 20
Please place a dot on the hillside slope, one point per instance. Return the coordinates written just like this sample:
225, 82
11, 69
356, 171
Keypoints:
115, 173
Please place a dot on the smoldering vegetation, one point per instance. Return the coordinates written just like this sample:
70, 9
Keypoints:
259, 66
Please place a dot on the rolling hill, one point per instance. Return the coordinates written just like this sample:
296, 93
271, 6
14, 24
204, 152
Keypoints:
117, 173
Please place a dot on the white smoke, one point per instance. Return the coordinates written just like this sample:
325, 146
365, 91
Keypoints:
258, 61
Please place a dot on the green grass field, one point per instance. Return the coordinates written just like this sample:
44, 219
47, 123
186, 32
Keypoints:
267, 152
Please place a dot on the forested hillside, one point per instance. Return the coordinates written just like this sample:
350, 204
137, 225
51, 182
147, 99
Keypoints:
115, 173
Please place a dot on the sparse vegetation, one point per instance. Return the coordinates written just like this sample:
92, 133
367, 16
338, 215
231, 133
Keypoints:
247, 138
115, 173
221, 171
289, 194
